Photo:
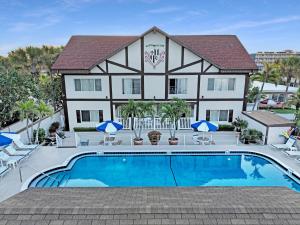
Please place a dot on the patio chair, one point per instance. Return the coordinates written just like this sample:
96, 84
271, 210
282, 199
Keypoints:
195, 139
10, 160
13, 152
3, 169
289, 145
21, 145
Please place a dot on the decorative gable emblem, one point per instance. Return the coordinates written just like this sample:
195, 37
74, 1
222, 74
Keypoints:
154, 54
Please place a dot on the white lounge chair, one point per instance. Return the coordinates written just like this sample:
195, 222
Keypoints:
13, 152
10, 160
3, 169
289, 145
21, 145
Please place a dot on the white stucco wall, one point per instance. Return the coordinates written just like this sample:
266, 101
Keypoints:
86, 105
117, 88
174, 55
274, 135
134, 55
237, 93
191, 86
157, 39
236, 106
154, 86
70, 87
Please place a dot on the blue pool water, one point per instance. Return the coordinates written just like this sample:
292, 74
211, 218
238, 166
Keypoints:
168, 171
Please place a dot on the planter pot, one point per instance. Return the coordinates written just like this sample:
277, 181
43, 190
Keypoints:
246, 141
154, 137
138, 141
173, 141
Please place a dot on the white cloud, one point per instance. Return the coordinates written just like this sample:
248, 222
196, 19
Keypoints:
167, 9
253, 24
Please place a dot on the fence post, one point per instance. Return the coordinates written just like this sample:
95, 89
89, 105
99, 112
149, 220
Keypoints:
184, 140
131, 140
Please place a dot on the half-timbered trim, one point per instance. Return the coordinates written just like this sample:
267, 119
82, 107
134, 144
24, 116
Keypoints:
65, 105
142, 69
167, 69
182, 55
246, 87
207, 68
126, 56
100, 68
125, 67
198, 96
184, 66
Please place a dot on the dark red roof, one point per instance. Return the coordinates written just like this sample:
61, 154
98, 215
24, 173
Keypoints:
224, 51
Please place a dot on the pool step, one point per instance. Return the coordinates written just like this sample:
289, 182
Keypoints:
56, 180
64, 180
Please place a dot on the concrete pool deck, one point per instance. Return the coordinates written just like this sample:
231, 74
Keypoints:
49, 157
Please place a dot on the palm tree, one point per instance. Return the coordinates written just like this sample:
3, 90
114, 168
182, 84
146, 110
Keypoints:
269, 74
27, 110
295, 100
42, 110
173, 111
290, 68
138, 110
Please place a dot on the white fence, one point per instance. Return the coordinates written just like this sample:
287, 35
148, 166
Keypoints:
156, 123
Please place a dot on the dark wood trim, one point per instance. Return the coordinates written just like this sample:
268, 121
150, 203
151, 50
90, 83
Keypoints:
100, 68
184, 66
126, 56
207, 68
266, 137
154, 74
167, 69
198, 97
65, 105
182, 55
221, 99
142, 69
110, 93
246, 92
202, 66
125, 67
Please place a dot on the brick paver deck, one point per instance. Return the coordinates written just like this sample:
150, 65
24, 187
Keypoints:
211, 205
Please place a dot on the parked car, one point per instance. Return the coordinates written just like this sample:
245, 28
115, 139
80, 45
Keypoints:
269, 103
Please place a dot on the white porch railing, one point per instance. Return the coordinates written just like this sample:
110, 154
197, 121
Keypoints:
156, 123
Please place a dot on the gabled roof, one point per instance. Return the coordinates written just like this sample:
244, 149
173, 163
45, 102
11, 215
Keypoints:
224, 51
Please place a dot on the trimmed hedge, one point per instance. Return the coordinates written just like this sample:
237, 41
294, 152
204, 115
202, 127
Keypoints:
226, 127
85, 129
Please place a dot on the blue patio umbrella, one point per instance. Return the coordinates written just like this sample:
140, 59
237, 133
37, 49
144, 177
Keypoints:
205, 126
109, 126
5, 140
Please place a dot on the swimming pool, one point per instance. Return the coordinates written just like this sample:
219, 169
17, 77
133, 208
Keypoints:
167, 171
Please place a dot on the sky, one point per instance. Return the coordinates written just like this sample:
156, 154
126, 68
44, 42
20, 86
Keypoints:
261, 25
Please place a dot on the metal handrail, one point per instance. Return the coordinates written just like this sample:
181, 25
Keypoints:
21, 177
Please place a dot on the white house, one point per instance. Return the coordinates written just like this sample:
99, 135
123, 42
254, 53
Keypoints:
100, 73
275, 92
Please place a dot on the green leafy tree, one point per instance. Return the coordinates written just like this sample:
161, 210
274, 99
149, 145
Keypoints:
172, 112
138, 110
27, 110
269, 74
290, 68
295, 100
42, 110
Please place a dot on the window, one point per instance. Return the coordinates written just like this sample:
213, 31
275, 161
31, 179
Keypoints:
131, 86
89, 116
219, 115
221, 84
178, 86
88, 85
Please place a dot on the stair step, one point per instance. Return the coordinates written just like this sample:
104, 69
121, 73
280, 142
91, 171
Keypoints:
64, 180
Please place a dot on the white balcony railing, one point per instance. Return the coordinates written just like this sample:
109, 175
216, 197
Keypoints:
156, 123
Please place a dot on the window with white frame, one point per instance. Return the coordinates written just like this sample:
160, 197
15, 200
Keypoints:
221, 84
178, 86
88, 85
89, 116
131, 86
219, 115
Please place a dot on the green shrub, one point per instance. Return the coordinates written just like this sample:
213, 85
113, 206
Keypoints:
85, 129
42, 135
225, 127
251, 136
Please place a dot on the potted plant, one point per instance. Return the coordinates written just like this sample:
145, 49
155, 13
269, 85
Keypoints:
154, 137
251, 136
137, 112
171, 112
239, 124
